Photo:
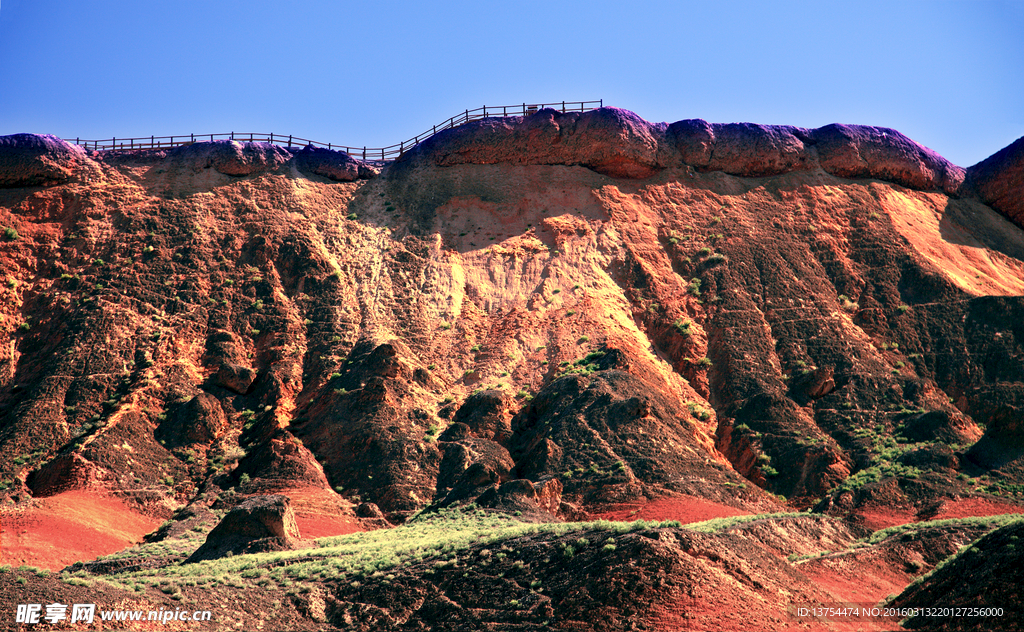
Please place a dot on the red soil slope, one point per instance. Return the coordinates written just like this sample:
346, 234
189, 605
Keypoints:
685, 509
70, 527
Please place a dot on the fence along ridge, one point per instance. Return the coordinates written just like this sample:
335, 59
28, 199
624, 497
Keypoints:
381, 154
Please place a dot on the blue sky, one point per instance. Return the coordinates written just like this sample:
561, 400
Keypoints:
948, 74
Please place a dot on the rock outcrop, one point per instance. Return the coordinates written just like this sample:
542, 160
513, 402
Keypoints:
259, 524
620, 144
999, 181
987, 575
334, 165
28, 160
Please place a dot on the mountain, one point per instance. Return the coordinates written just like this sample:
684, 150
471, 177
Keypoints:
811, 337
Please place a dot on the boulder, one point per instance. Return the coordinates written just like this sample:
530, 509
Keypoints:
861, 151
333, 165
610, 141
235, 377
747, 149
232, 158
37, 160
261, 523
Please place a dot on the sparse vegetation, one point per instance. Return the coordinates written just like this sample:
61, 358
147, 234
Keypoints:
440, 536
10, 234
847, 304
698, 411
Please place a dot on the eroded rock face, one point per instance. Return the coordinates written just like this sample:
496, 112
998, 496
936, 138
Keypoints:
649, 286
488, 415
986, 575
200, 420
261, 523
37, 160
526, 497
66, 472
999, 181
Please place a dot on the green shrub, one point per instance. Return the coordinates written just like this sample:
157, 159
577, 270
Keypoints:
698, 411
683, 326
694, 287
10, 234
704, 252
352, 216
704, 362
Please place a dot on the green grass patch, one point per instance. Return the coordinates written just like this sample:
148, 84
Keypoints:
986, 522
440, 536
716, 525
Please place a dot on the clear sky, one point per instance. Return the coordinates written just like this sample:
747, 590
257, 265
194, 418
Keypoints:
948, 74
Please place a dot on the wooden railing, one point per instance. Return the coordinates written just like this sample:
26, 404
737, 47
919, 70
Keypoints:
381, 154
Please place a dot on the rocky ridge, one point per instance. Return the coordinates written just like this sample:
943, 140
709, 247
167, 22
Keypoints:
561, 315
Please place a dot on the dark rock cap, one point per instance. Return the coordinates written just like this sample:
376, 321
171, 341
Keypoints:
620, 144
38, 160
